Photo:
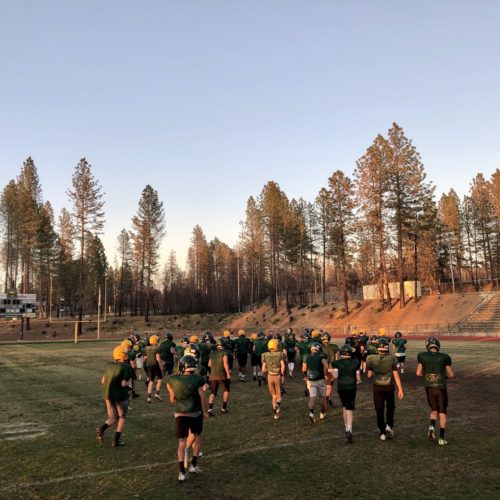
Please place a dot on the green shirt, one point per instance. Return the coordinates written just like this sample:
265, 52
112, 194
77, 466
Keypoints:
243, 344
371, 349
347, 369
315, 367
165, 351
400, 345
114, 374
273, 361
330, 350
217, 370
290, 345
434, 368
304, 347
205, 350
186, 393
150, 352
260, 347
382, 366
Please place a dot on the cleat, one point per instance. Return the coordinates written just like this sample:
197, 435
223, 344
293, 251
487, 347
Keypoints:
348, 435
311, 418
442, 442
139, 378
402, 370
116, 444
260, 381
382, 437
195, 469
158, 397
254, 378
210, 413
149, 399
431, 434
322, 415
331, 404
389, 432
224, 410
135, 395
182, 477
99, 435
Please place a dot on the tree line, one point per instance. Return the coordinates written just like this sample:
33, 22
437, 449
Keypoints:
383, 225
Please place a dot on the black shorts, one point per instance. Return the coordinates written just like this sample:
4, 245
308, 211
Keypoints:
154, 372
185, 424
348, 398
290, 356
437, 399
242, 359
255, 360
400, 359
214, 385
168, 367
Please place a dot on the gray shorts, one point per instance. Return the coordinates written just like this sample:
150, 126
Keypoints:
316, 388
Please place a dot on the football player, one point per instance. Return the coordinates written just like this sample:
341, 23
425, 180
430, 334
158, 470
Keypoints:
220, 374
399, 345
273, 363
152, 363
315, 368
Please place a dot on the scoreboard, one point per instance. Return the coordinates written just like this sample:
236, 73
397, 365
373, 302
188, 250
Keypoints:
17, 305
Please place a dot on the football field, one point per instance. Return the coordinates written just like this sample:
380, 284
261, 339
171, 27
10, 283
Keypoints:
51, 403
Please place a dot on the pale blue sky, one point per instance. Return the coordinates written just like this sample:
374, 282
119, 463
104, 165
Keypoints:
208, 100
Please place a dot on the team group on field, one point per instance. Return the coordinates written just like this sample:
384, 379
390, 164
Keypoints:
194, 367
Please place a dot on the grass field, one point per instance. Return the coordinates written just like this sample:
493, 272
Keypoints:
50, 406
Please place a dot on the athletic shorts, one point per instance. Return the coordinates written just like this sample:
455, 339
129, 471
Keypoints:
214, 385
317, 388
139, 362
255, 360
437, 399
185, 424
168, 367
348, 398
116, 409
401, 359
154, 372
242, 359
290, 356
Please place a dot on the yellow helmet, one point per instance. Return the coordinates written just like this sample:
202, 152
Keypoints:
381, 331
226, 333
119, 354
153, 340
315, 334
273, 345
241, 332
126, 344
253, 336
194, 339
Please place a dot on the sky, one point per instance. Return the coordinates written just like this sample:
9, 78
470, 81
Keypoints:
207, 101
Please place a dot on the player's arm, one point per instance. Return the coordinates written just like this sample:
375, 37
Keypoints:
158, 359
203, 400
395, 374
420, 370
449, 372
226, 366
282, 367
264, 364
324, 362
171, 393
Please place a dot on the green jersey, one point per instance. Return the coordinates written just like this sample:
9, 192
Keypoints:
315, 367
273, 361
330, 350
179, 349
399, 345
290, 345
186, 392
114, 374
205, 350
382, 366
150, 352
260, 347
434, 368
165, 351
217, 370
243, 345
347, 369
304, 348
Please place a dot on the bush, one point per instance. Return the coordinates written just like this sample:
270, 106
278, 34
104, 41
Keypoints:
313, 306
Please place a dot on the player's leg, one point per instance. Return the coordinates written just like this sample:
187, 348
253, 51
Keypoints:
225, 395
121, 409
112, 415
391, 407
379, 403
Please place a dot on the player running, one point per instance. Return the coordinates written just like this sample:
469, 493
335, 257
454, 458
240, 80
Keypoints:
243, 345
190, 408
167, 354
259, 348
399, 345
346, 372
435, 367
291, 351
152, 364
220, 374
382, 367
315, 368
273, 363
331, 353
116, 380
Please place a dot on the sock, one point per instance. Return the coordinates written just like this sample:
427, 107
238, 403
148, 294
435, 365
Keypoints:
181, 467
149, 395
194, 461
117, 436
224, 405
433, 423
210, 406
441, 433
104, 427
311, 411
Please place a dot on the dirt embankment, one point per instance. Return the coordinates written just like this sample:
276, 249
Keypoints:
432, 310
